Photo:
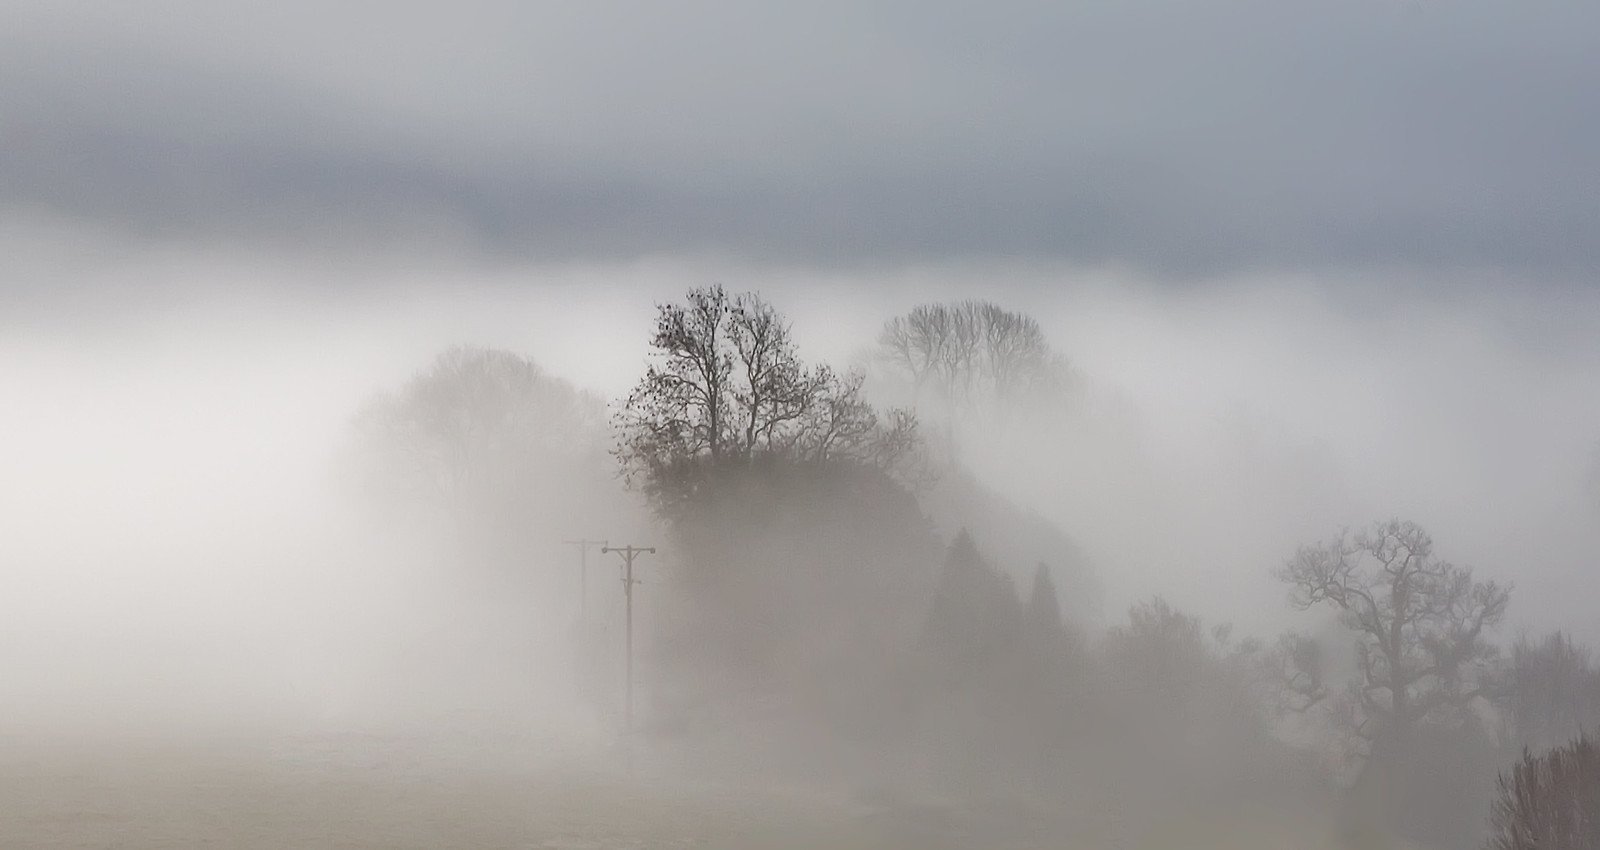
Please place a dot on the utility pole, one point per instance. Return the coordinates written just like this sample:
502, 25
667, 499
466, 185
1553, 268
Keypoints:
628, 553
583, 573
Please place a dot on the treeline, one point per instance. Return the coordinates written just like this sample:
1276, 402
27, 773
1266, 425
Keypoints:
841, 597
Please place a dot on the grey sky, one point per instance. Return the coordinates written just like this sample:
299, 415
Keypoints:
1182, 138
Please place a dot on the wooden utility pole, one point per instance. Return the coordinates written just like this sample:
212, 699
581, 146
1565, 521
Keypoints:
628, 553
583, 573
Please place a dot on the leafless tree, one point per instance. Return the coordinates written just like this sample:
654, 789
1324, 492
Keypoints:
681, 407
1192, 692
470, 431
726, 384
1420, 621
1549, 801
1293, 671
1554, 691
978, 359
1014, 350
913, 343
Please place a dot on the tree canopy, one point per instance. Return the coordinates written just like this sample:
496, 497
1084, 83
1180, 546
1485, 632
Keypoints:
473, 431
1421, 647
1553, 692
726, 384
1549, 801
978, 359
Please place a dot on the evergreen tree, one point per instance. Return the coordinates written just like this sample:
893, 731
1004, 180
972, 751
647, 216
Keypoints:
976, 618
1043, 613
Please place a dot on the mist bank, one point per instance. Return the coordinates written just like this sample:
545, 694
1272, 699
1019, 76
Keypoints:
194, 546
1239, 416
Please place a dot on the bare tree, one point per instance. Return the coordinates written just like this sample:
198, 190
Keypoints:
1014, 350
1181, 688
1420, 621
1550, 801
912, 343
1293, 671
681, 407
1554, 691
980, 360
726, 384
472, 431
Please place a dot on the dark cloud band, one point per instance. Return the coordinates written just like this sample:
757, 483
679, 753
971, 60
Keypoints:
1156, 135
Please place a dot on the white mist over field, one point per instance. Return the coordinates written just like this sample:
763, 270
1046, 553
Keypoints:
1137, 424
177, 527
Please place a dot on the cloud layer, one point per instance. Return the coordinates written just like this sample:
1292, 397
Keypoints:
1182, 138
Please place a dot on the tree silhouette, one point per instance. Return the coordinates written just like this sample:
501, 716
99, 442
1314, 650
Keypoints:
475, 431
1042, 613
975, 621
725, 384
979, 360
1553, 693
1549, 801
1419, 620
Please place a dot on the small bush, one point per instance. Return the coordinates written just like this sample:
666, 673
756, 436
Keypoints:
1550, 801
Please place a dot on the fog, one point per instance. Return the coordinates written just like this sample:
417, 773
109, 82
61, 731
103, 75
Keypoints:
325, 332
185, 553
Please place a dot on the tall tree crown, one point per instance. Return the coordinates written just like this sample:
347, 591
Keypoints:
726, 383
1420, 622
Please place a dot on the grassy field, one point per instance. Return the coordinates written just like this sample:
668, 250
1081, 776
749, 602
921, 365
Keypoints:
374, 792
384, 793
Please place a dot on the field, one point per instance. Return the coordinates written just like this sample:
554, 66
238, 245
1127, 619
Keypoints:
371, 792
354, 792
